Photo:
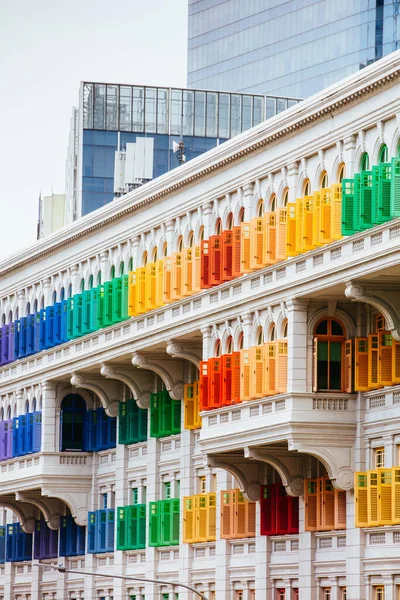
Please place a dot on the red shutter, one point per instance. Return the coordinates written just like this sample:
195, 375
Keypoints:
215, 260
236, 252
227, 255
226, 360
204, 386
205, 265
236, 378
215, 382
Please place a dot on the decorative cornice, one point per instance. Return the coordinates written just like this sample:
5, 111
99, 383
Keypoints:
298, 117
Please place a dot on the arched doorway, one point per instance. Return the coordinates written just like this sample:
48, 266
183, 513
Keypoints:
72, 423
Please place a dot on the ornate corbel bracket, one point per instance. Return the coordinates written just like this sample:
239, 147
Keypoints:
49, 507
384, 298
190, 352
107, 391
287, 468
170, 371
25, 512
139, 383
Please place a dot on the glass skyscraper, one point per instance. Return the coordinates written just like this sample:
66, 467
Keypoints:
286, 47
111, 117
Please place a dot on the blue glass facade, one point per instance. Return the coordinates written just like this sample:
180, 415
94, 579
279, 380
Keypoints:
292, 48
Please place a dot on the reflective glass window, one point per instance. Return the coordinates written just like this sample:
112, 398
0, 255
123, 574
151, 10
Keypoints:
224, 107
212, 114
150, 110
247, 117
88, 106
257, 110
125, 108
112, 107
162, 111
188, 112
176, 111
200, 114
235, 115
281, 105
271, 108
138, 109
99, 106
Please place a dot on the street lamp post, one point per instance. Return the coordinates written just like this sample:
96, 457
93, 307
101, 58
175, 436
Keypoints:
62, 569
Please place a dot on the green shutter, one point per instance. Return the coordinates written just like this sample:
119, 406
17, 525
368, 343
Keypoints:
155, 415
100, 307
166, 424
122, 528
70, 318
395, 189
122, 423
176, 416
117, 299
77, 318
367, 210
133, 527
142, 420
166, 522
154, 524
108, 304
124, 296
175, 517
141, 529
348, 207
385, 191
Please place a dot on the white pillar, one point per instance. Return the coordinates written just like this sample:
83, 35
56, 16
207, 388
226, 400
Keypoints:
48, 417
222, 547
207, 211
248, 191
297, 346
292, 179
349, 155
307, 546
206, 333
247, 319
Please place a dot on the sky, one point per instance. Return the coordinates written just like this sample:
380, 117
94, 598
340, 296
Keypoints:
47, 47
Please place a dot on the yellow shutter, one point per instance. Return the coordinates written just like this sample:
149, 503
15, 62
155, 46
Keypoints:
361, 365
189, 406
160, 283
300, 230
245, 248
348, 366
257, 371
361, 499
385, 496
132, 305
308, 243
212, 517
396, 496
176, 276
270, 242
281, 366
167, 279
291, 230
202, 518
310, 503
187, 267
317, 218
196, 269
270, 360
141, 290
373, 361
336, 211
385, 358
150, 299
395, 362
281, 233
189, 519
373, 513
196, 387
245, 374
256, 243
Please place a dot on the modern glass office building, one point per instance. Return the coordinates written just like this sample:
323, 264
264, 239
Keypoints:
289, 48
111, 118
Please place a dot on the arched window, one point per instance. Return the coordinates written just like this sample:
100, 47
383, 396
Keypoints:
10, 315
34, 405
28, 309
306, 187
201, 233
341, 172
218, 227
121, 268
379, 323
3, 319
165, 249
54, 297
91, 282
260, 336
82, 285
2, 414
383, 154
364, 162
328, 350
272, 203
217, 348
324, 180
70, 290
17, 313
155, 254
241, 341
260, 208
62, 294
26, 407
229, 222
130, 267
99, 278
229, 345
285, 328
272, 333
241, 215
112, 272
180, 243
73, 410
42, 303
9, 412
35, 306
285, 196
190, 239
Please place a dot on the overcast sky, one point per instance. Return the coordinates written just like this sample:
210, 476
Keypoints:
47, 47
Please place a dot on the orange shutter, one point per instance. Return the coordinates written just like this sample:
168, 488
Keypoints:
328, 504
196, 269
326, 216
204, 386
212, 517
291, 230
226, 527
281, 366
385, 496
176, 276
257, 371
215, 246
361, 365
340, 509
227, 255
226, 360
244, 523
141, 290
300, 229
281, 233
150, 295
167, 279
189, 404
205, 265
315, 365
202, 518
396, 496
348, 366
245, 374
385, 358
236, 252
317, 225
132, 308
395, 362
373, 513
215, 375
245, 248
160, 283
256, 243
271, 367
187, 269
373, 361
236, 378
336, 212
310, 501
270, 238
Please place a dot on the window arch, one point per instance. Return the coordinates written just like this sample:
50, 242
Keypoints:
82, 285
70, 290
328, 350
285, 328
285, 196
241, 215
28, 308
229, 345
26, 407
54, 297
260, 208
229, 222
91, 282
17, 313
306, 187
112, 272
165, 249
180, 243
364, 162
34, 405
324, 180
217, 350
190, 239
272, 203
130, 267
241, 341
35, 306
144, 258
42, 303
155, 254
99, 278
73, 410
260, 335
201, 233
62, 294
3, 319
383, 156
218, 227
341, 172
10, 316
121, 268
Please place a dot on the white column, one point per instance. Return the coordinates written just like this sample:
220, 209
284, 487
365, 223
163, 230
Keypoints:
36, 576
135, 252
349, 155
153, 494
248, 191
297, 346
170, 237
121, 499
307, 546
222, 547
21, 303
48, 417
292, 179
263, 558
247, 319
105, 265
47, 292
20, 402
186, 489
206, 333
207, 211
74, 280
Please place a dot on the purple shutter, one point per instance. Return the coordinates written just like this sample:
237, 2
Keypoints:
2, 437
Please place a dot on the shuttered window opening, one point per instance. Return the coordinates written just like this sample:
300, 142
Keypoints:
2, 545
164, 517
45, 540
191, 401
101, 531
72, 537
132, 422
377, 496
21, 435
131, 527
199, 518
165, 415
238, 516
279, 512
325, 506
18, 544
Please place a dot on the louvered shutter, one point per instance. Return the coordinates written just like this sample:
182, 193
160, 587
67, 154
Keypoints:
189, 406
366, 199
141, 528
373, 361
122, 526
197, 403
166, 522
348, 366
175, 518
396, 496
257, 371
202, 518
215, 374
176, 277
385, 358
361, 365
245, 248
227, 255
383, 202
310, 501
117, 299
300, 225
141, 290
268, 510
293, 512
317, 218
328, 216
189, 519
281, 233
281, 366
236, 252
373, 511
256, 243
212, 517
282, 515
385, 496
340, 509
160, 283
196, 282
291, 230
124, 296
395, 362
150, 291
226, 361
271, 365
187, 266
204, 386
236, 377
245, 370
328, 505
215, 260
205, 265
226, 527
155, 416
336, 212
154, 524
308, 243
167, 284
395, 189
270, 238
92, 533
348, 207
240, 515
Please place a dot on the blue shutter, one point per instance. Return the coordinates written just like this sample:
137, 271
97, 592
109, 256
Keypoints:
37, 431
15, 437
37, 539
22, 337
17, 331
30, 417
2, 545
92, 530
110, 530
80, 539
30, 335
11, 542
102, 530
